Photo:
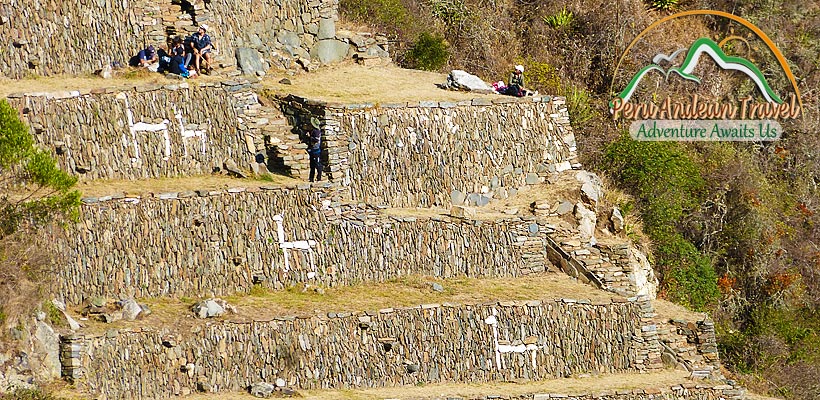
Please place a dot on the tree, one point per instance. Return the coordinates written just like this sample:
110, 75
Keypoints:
33, 192
34, 189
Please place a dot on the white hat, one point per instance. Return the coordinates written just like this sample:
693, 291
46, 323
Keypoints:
519, 68
204, 26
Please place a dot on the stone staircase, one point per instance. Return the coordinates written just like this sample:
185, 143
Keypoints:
275, 139
287, 149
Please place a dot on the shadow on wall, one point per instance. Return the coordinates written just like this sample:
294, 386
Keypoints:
276, 159
292, 159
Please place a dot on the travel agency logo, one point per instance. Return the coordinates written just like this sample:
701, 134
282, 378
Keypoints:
690, 116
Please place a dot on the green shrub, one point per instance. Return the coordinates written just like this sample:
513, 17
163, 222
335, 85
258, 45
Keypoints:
429, 52
561, 20
452, 12
664, 5
53, 314
541, 76
669, 185
579, 106
692, 283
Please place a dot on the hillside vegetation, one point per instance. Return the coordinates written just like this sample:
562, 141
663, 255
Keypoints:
734, 226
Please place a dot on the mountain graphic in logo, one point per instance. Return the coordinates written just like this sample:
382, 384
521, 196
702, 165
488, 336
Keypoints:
698, 48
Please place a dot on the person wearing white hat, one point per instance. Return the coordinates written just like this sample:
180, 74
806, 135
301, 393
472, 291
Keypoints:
202, 47
516, 87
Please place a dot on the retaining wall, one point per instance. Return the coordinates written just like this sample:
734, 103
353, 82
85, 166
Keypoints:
144, 132
222, 242
419, 154
81, 36
431, 343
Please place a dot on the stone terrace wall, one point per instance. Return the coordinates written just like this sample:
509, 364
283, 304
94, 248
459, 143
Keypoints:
144, 132
417, 154
76, 36
192, 244
81, 36
431, 343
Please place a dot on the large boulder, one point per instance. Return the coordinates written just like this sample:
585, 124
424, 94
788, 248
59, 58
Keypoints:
130, 309
212, 308
592, 188
288, 39
617, 220
329, 51
46, 345
642, 274
262, 389
249, 61
586, 221
462, 80
327, 29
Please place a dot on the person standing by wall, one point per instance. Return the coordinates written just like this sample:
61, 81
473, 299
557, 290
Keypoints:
315, 149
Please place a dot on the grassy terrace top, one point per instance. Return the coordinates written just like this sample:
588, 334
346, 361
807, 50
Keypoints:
343, 83
581, 384
408, 291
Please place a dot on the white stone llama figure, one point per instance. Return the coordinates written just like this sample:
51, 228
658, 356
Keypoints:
302, 245
506, 348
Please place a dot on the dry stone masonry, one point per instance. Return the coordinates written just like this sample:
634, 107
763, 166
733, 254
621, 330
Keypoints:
224, 242
431, 343
156, 131
149, 131
418, 154
82, 36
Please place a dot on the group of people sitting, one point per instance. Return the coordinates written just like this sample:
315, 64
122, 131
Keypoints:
181, 52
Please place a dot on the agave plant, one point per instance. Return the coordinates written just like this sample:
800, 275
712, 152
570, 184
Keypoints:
561, 19
664, 5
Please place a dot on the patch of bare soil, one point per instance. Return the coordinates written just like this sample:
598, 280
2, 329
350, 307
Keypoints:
351, 83
566, 386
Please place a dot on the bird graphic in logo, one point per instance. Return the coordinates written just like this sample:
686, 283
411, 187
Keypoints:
700, 47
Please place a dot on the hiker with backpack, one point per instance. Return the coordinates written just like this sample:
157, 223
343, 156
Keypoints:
315, 149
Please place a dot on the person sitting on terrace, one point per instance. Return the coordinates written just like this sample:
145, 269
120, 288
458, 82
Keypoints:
145, 58
202, 49
177, 64
516, 86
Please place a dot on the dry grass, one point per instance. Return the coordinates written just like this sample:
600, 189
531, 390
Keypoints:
568, 386
60, 83
345, 82
405, 292
564, 186
351, 83
668, 310
97, 188
755, 396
